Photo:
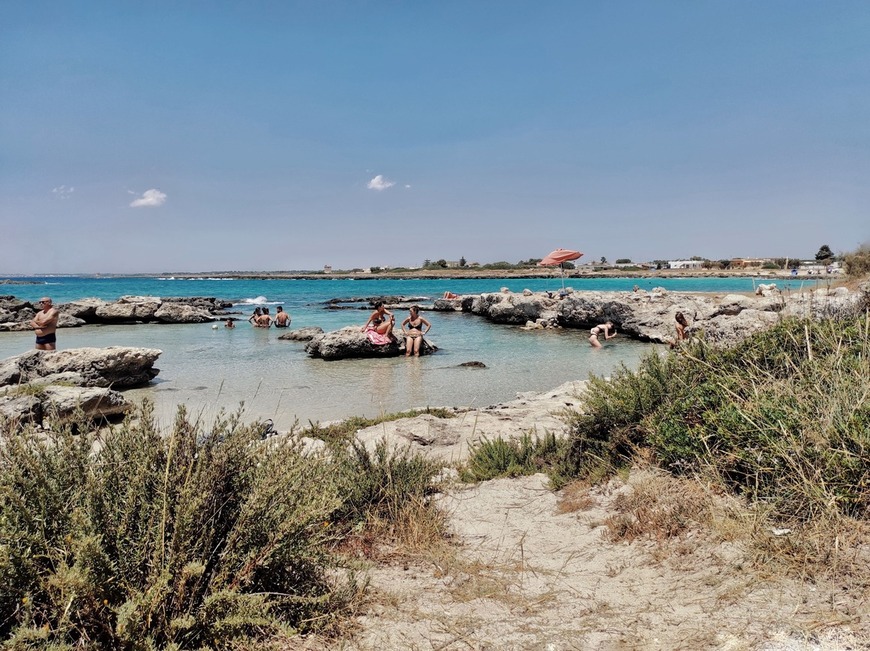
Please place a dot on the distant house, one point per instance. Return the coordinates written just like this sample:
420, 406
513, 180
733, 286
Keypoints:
748, 263
327, 268
685, 264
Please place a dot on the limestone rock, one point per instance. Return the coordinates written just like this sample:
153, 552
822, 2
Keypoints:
350, 342
182, 313
302, 334
129, 308
116, 366
63, 402
22, 408
85, 309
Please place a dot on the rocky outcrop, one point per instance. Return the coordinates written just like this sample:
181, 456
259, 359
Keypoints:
16, 314
60, 403
118, 367
350, 342
649, 316
302, 334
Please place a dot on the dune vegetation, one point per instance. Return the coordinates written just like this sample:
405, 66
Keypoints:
203, 538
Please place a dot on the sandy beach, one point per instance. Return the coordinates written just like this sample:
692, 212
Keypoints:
530, 568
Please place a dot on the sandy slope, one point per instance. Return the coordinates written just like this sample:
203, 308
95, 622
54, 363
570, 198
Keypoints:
534, 569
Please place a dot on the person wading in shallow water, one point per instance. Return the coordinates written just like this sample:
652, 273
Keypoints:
282, 318
606, 329
414, 333
45, 325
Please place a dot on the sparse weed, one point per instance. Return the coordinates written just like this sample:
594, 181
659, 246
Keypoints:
342, 433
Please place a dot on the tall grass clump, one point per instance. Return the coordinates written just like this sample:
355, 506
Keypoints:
491, 458
783, 418
383, 489
139, 540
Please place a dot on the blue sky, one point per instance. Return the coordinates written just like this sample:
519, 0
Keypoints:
196, 136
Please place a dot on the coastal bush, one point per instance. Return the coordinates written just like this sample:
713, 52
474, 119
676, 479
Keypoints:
138, 540
385, 496
783, 418
857, 263
491, 458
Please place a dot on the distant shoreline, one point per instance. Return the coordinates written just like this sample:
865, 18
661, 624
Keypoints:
449, 274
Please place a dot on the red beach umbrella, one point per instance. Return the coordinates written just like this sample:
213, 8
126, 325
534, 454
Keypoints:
557, 257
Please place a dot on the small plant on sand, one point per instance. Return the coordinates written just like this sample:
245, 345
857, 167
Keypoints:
385, 496
491, 458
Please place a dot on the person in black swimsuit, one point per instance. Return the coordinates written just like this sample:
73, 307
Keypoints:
605, 329
412, 326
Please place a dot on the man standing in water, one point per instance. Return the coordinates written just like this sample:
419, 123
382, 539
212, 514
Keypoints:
45, 324
282, 318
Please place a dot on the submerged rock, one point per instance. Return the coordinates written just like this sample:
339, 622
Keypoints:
302, 334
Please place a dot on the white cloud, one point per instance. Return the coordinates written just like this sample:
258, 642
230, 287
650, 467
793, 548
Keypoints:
149, 198
62, 191
380, 183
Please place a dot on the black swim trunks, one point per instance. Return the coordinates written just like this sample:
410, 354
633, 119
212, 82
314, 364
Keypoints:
46, 339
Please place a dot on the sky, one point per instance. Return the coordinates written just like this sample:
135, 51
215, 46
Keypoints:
152, 136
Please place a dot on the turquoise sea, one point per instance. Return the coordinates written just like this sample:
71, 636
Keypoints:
208, 369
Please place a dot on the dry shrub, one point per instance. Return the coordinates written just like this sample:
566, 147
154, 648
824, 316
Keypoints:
416, 529
658, 507
575, 497
832, 549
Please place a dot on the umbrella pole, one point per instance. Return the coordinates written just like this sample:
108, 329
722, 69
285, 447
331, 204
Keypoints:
562, 273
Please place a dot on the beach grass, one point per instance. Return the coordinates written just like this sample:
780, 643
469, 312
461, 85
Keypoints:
782, 421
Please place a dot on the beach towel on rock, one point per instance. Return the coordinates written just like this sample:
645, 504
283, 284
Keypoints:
376, 337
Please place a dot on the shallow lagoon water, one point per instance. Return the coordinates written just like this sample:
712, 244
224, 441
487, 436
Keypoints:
208, 369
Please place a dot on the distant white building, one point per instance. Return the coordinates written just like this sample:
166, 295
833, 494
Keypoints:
327, 268
685, 264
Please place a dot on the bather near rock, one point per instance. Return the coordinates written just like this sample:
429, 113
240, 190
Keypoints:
349, 343
118, 367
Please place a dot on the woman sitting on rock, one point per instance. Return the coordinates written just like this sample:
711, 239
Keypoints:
379, 327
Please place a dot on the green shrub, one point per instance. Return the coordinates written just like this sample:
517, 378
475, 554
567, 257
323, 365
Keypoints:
376, 484
857, 263
784, 417
138, 540
491, 458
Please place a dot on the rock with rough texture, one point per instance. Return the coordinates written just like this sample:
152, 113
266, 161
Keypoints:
649, 316
119, 367
302, 334
129, 308
20, 408
62, 402
182, 313
350, 342
85, 308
